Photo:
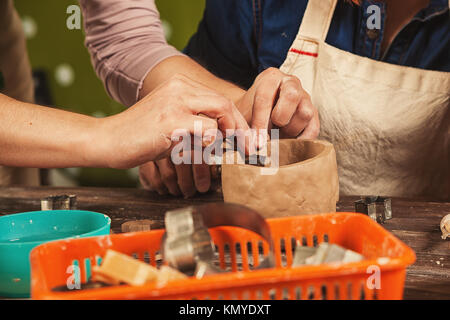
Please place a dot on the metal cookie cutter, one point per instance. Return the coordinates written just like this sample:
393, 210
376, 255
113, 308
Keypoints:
187, 244
377, 208
257, 159
61, 202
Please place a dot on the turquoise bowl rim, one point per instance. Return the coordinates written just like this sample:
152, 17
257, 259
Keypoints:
75, 236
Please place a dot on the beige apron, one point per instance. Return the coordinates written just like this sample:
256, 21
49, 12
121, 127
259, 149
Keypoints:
388, 123
16, 71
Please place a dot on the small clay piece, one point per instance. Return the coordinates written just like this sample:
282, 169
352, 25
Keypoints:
331, 253
445, 226
302, 253
324, 253
118, 267
306, 181
167, 274
138, 225
98, 277
60, 202
351, 256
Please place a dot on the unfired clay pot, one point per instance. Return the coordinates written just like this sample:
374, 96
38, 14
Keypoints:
306, 181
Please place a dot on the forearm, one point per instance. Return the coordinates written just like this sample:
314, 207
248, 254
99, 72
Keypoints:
188, 67
41, 137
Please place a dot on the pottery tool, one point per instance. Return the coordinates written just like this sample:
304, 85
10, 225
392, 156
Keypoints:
256, 159
377, 208
187, 245
59, 202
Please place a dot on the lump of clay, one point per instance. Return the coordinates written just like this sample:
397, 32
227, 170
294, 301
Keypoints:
306, 181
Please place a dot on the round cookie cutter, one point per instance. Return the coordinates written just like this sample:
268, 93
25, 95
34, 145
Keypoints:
187, 245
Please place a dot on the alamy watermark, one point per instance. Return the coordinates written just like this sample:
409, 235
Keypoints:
374, 20
73, 21
374, 280
233, 151
74, 280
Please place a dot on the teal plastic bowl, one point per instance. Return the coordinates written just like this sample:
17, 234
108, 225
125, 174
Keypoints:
20, 233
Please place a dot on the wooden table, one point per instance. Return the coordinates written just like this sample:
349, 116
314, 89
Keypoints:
414, 222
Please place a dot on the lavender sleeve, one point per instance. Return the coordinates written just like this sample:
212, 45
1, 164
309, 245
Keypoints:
125, 40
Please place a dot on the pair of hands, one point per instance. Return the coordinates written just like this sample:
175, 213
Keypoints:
275, 100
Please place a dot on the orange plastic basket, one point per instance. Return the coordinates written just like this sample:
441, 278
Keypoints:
239, 250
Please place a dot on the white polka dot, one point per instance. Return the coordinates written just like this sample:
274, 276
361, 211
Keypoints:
29, 27
74, 171
64, 75
167, 27
133, 173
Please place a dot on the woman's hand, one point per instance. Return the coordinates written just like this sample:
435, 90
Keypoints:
278, 99
144, 132
275, 99
164, 177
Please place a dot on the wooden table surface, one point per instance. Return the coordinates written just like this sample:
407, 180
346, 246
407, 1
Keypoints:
414, 222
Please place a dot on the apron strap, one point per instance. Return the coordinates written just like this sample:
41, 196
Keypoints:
317, 19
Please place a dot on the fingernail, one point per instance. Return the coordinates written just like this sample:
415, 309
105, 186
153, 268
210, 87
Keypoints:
252, 146
203, 186
254, 140
261, 140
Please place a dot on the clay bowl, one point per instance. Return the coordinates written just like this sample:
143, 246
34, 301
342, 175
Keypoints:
306, 181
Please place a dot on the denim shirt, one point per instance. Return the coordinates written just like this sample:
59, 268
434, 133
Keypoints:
237, 39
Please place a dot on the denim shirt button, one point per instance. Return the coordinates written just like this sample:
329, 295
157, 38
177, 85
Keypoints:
373, 33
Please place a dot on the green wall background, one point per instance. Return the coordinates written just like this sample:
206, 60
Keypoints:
52, 45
